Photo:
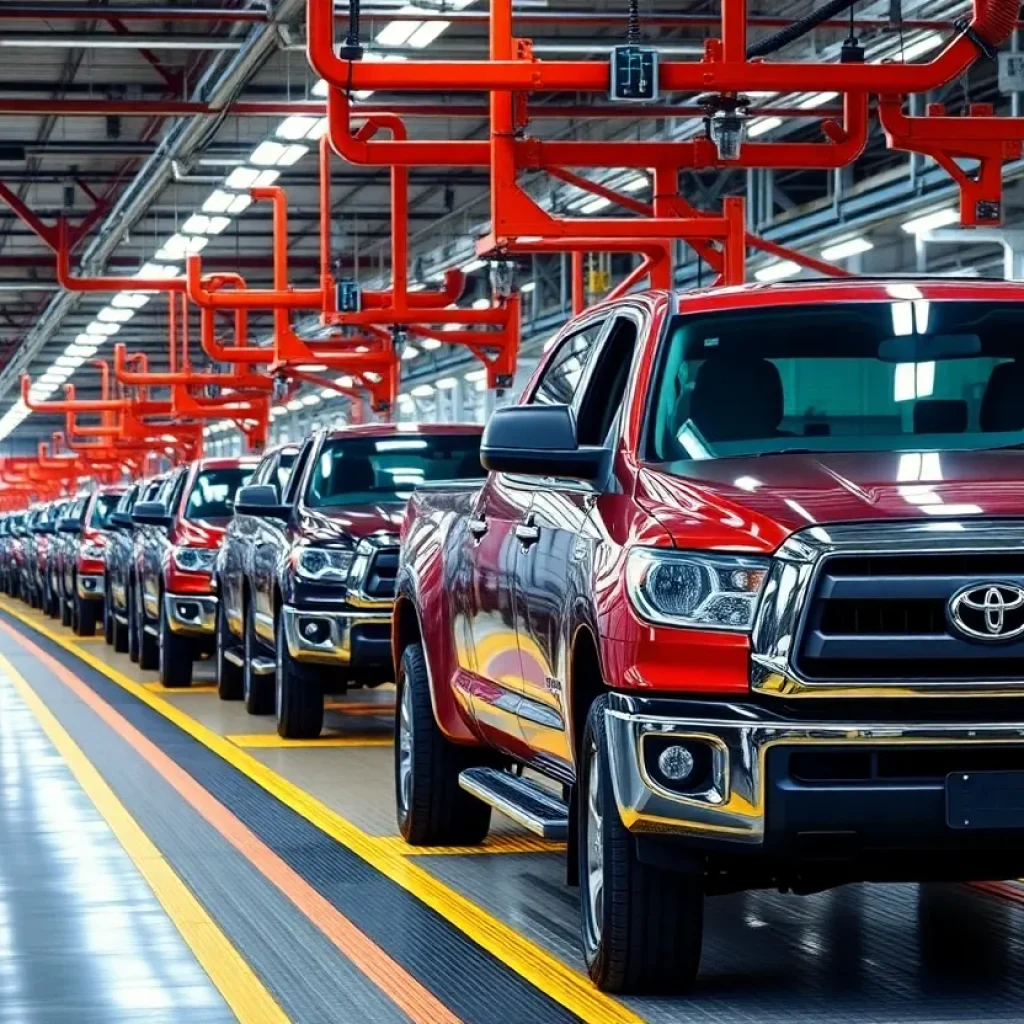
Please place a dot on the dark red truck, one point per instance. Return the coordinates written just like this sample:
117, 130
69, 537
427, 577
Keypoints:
743, 594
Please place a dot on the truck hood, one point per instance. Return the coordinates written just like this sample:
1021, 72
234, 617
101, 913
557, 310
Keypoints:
350, 522
755, 503
201, 533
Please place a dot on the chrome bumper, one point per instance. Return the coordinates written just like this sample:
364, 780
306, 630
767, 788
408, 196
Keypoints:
732, 808
192, 614
90, 587
331, 641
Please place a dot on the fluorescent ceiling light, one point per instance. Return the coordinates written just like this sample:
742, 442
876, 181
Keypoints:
635, 184
218, 201
921, 46
410, 352
201, 224
129, 300
599, 203
112, 315
294, 405
266, 179
405, 400
296, 127
344, 382
266, 154
320, 89
328, 393
844, 250
427, 32
292, 155
51, 378
930, 221
150, 271
760, 125
398, 33
473, 375
84, 346
240, 203
100, 327
312, 400
778, 271
446, 383
817, 99
71, 362
481, 303
472, 266
527, 286
430, 344
242, 177
318, 131
422, 390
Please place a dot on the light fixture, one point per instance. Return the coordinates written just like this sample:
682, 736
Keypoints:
760, 125
311, 400
320, 89
778, 271
635, 184
292, 155
266, 178
71, 362
82, 352
427, 32
920, 46
218, 201
930, 221
266, 154
430, 344
482, 303
410, 352
398, 33
472, 266
527, 286
114, 315
446, 383
475, 375
296, 127
150, 271
294, 405
422, 390
318, 130
817, 99
102, 327
596, 204
844, 250
242, 177
344, 382
240, 203
129, 300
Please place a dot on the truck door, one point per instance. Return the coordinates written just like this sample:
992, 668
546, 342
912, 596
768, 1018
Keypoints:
556, 561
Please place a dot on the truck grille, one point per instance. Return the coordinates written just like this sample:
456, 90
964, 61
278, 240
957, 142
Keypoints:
884, 617
381, 574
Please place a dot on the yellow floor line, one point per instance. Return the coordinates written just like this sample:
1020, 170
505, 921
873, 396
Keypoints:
566, 986
89, 639
228, 970
178, 691
497, 844
271, 741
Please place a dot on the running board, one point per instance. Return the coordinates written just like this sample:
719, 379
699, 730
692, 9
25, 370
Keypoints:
152, 631
535, 808
263, 666
235, 658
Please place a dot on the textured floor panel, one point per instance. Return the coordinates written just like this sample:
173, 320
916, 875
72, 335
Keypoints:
475, 985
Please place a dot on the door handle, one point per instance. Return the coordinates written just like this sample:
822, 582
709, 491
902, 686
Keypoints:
478, 527
527, 534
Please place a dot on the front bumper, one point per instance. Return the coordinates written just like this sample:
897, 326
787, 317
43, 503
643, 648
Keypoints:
361, 639
191, 614
90, 587
782, 787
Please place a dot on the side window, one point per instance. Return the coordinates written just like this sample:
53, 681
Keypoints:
606, 386
297, 470
175, 489
562, 375
262, 474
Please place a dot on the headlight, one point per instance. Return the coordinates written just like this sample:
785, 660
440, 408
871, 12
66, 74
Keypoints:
194, 559
91, 550
685, 588
324, 565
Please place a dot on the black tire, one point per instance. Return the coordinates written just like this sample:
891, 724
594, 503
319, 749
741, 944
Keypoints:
65, 610
649, 920
175, 656
108, 614
149, 645
230, 684
300, 698
133, 625
257, 691
432, 809
85, 616
120, 634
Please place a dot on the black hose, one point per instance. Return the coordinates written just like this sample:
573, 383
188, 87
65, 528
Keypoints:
791, 33
352, 39
633, 29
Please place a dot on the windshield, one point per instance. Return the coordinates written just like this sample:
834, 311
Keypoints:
101, 509
364, 470
213, 494
887, 376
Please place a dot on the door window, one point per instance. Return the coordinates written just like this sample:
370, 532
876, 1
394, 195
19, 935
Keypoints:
606, 386
561, 377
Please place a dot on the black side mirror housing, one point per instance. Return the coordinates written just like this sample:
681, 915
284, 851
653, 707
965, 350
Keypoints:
151, 513
67, 524
540, 440
260, 500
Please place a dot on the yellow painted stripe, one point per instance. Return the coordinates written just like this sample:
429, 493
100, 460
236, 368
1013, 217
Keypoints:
271, 741
97, 637
566, 986
495, 844
230, 973
178, 690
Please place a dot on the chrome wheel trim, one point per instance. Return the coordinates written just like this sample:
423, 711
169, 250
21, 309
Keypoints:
593, 868
405, 750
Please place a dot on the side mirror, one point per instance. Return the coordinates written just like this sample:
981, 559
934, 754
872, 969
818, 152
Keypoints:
151, 513
123, 520
47, 527
539, 440
260, 500
68, 524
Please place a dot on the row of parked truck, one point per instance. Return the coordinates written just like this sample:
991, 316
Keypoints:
738, 602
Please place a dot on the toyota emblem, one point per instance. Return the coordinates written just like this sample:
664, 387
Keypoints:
988, 611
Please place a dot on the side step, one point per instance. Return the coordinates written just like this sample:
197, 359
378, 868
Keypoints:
532, 806
235, 656
263, 666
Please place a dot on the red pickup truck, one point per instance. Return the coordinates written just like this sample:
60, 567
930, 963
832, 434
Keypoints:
739, 605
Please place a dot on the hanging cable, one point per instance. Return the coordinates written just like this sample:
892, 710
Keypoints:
633, 24
352, 48
799, 28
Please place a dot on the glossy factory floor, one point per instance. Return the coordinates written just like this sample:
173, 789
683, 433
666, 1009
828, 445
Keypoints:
165, 857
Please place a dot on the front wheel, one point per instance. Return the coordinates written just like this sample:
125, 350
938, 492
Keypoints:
108, 614
84, 617
230, 684
300, 699
642, 925
257, 690
175, 656
149, 647
432, 808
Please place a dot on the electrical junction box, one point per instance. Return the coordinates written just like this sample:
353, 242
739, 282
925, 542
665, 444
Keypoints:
634, 75
1011, 72
350, 298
